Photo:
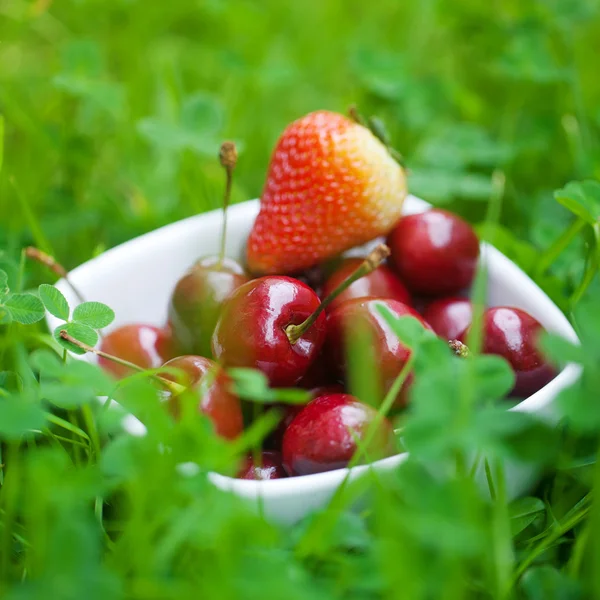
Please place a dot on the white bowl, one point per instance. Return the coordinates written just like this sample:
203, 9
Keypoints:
136, 279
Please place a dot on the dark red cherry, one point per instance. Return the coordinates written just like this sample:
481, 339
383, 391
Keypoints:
434, 252
197, 300
449, 317
513, 334
251, 331
322, 437
314, 278
390, 354
269, 467
289, 411
143, 345
381, 283
213, 385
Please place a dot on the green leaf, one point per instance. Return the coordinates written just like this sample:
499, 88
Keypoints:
250, 384
291, 396
54, 301
3, 285
202, 114
67, 396
582, 198
93, 314
493, 375
25, 308
18, 416
548, 583
5, 316
523, 512
1, 142
80, 332
11, 381
47, 362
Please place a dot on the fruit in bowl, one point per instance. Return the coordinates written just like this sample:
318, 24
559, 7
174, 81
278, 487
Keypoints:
299, 338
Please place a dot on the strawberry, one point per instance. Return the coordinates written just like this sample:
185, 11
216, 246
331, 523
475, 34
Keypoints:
331, 185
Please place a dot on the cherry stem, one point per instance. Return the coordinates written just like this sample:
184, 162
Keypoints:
228, 159
459, 348
51, 263
375, 258
176, 388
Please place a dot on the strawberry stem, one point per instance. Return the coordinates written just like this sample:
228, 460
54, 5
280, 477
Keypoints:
170, 385
375, 258
228, 159
377, 127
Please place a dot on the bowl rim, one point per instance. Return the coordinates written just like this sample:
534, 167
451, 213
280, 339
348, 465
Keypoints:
538, 403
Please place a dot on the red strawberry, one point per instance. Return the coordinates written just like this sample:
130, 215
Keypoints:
331, 185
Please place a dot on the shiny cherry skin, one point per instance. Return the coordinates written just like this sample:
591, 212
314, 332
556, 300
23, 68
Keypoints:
434, 252
212, 384
513, 334
389, 352
197, 299
251, 329
322, 437
270, 467
380, 283
289, 411
449, 317
144, 345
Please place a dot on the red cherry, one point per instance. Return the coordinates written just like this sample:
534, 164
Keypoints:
252, 329
449, 317
513, 334
197, 300
143, 345
313, 278
323, 435
390, 353
434, 252
217, 402
381, 283
270, 467
289, 411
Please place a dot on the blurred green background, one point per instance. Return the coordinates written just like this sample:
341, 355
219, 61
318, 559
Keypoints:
115, 109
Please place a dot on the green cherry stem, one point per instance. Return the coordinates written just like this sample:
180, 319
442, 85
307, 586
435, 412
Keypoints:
375, 258
228, 159
173, 387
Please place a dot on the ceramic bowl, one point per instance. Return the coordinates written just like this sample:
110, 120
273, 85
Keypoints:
136, 280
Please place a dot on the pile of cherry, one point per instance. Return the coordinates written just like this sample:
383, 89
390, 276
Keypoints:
219, 318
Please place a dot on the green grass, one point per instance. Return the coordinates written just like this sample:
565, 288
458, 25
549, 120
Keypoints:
112, 115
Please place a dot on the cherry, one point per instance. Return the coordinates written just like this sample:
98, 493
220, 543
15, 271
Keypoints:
143, 345
513, 334
217, 402
252, 329
449, 317
319, 374
269, 467
291, 410
323, 435
314, 277
434, 252
196, 301
389, 352
381, 283
276, 324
